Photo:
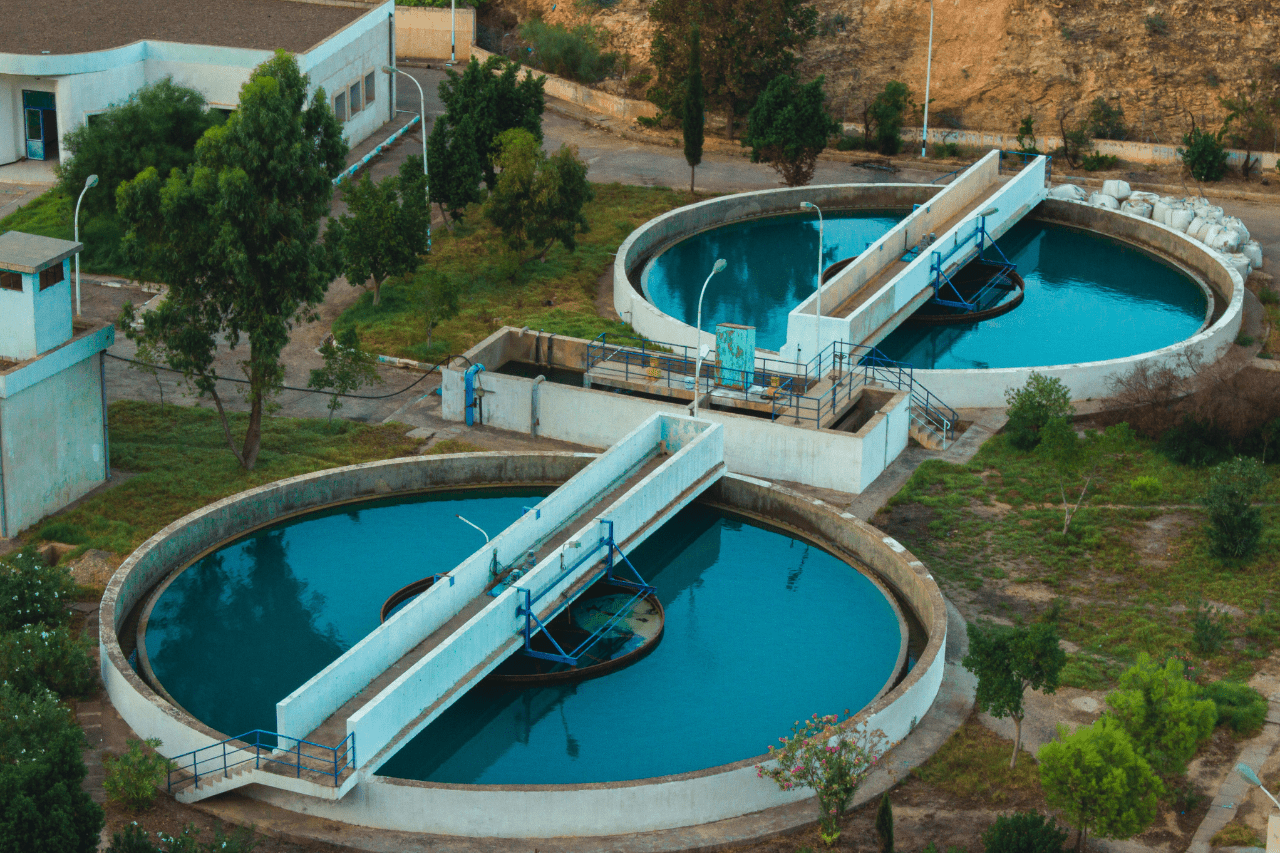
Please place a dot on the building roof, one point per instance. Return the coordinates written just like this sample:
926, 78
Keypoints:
30, 253
73, 26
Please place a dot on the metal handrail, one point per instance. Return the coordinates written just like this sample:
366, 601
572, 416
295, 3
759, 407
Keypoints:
265, 746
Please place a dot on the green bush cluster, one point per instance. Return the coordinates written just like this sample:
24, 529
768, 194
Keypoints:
575, 54
43, 807
1241, 708
1032, 406
134, 839
132, 777
1205, 155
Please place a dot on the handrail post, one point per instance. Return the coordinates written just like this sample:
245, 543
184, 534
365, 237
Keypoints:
299, 759
224, 758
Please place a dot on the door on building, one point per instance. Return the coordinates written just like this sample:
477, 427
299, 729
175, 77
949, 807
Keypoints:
41, 120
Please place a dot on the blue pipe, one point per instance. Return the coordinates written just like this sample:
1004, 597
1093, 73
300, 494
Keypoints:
375, 152
469, 385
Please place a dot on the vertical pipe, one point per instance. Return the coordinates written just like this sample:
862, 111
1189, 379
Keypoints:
4, 498
102, 387
533, 406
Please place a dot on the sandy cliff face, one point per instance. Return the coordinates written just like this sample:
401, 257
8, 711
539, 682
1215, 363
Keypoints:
998, 60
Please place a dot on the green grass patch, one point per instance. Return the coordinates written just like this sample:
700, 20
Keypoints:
974, 765
453, 445
181, 462
52, 215
498, 288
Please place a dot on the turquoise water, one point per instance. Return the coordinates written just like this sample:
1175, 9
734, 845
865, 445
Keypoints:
761, 629
772, 268
1088, 298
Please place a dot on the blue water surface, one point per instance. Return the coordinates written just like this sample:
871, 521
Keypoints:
761, 629
772, 268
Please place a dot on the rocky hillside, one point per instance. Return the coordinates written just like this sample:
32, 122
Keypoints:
998, 60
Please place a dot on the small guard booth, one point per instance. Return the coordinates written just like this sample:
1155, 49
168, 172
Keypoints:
53, 415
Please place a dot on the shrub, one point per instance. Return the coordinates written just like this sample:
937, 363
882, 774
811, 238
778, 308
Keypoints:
884, 824
1095, 162
1106, 121
1210, 628
573, 53
1195, 441
1235, 524
1240, 707
132, 778
1026, 137
1034, 405
851, 142
1157, 25
43, 808
1204, 155
1267, 296
36, 658
1243, 340
1147, 489
133, 839
1024, 832
1162, 712
33, 593
946, 149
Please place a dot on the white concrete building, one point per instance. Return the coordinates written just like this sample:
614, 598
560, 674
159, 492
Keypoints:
53, 416
63, 61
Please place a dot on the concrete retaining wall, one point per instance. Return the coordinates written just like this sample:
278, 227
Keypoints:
584, 96
1091, 380
655, 234
426, 33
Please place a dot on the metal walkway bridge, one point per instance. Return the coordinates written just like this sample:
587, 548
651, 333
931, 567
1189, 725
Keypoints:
356, 713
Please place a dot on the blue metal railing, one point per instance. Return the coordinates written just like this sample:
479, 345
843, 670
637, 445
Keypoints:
262, 748
1023, 159
533, 625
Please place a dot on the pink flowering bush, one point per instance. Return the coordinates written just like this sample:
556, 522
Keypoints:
830, 755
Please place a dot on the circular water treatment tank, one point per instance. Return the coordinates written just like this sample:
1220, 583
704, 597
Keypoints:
756, 624
1087, 297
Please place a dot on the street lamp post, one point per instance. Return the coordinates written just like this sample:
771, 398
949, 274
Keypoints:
817, 322
422, 118
453, 31
697, 367
89, 183
928, 70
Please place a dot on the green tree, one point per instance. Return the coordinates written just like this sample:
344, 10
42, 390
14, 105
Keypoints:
440, 295
133, 777
884, 824
1023, 832
1163, 713
1100, 781
157, 126
482, 103
1251, 121
1007, 660
1034, 405
538, 199
38, 658
832, 757
43, 808
1073, 459
347, 368
33, 593
384, 232
886, 114
1026, 137
744, 45
788, 128
695, 108
455, 168
236, 236
1235, 524
1204, 155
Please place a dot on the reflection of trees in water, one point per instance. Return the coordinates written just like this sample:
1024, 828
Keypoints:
241, 617
794, 573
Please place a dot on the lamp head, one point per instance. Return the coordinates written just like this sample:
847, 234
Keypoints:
91, 181
1247, 772
720, 265
388, 69
990, 211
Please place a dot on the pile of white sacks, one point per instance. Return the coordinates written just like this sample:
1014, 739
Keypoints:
1196, 217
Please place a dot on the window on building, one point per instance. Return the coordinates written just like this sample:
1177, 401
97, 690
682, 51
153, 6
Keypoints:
368, 88
51, 276
10, 280
354, 97
340, 106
